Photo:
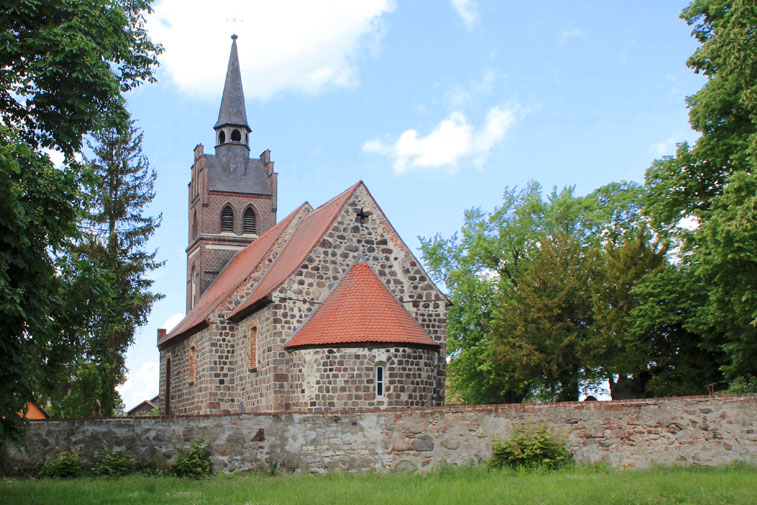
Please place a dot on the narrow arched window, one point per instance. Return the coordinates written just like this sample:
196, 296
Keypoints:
192, 363
194, 226
227, 219
249, 220
254, 346
194, 288
236, 136
379, 381
221, 137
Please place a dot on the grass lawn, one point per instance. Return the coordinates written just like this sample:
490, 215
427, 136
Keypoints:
734, 485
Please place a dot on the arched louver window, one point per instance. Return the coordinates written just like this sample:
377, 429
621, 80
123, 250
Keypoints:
249, 220
222, 138
236, 136
227, 219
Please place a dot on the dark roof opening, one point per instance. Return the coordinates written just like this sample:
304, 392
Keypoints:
227, 219
249, 220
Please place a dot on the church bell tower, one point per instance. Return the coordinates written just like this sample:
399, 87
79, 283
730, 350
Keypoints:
232, 197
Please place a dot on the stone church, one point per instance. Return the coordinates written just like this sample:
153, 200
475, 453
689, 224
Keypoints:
327, 309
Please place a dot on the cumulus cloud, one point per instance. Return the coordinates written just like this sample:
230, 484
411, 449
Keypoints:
283, 45
172, 321
452, 141
140, 385
468, 12
572, 33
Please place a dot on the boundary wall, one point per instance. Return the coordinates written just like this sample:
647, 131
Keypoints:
628, 433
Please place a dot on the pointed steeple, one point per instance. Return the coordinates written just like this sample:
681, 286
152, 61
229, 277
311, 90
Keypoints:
232, 112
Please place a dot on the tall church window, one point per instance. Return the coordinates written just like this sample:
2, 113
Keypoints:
167, 411
249, 220
227, 219
192, 363
235, 135
379, 380
253, 346
193, 292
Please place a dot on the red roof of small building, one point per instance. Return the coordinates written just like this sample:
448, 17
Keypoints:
307, 235
360, 309
240, 266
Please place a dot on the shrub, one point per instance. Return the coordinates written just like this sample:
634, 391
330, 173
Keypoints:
534, 447
113, 464
192, 462
65, 464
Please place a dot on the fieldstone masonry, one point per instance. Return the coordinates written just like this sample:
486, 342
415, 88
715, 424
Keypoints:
326, 377
629, 433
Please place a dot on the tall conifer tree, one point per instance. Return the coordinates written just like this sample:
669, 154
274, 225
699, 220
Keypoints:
114, 237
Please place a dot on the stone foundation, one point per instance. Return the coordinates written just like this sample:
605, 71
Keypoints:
630, 433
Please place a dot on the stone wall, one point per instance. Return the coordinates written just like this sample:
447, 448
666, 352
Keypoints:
630, 433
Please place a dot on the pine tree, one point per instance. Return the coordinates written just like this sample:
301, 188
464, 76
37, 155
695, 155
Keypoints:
114, 235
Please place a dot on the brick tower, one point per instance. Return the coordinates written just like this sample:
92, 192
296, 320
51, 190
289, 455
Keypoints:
232, 197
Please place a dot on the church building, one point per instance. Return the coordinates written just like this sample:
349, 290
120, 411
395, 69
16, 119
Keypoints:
327, 309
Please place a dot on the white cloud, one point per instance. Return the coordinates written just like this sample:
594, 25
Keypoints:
452, 141
572, 33
140, 385
172, 321
283, 45
668, 146
467, 10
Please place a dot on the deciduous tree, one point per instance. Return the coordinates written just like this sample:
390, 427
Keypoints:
63, 69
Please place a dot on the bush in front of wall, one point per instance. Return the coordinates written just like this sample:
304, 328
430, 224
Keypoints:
530, 448
193, 461
66, 464
115, 463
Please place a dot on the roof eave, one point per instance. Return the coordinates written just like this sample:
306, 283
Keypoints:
368, 343
174, 338
238, 316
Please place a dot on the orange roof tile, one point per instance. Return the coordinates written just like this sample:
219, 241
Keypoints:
360, 309
308, 233
240, 266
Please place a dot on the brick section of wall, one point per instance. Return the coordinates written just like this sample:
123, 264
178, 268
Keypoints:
630, 433
207, 206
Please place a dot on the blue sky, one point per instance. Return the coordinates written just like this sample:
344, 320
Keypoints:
436, 105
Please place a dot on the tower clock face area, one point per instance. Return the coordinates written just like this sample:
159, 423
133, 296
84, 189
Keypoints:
232, 199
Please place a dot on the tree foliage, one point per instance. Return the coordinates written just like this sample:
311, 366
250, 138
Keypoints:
535, 286
712, 183
63, 69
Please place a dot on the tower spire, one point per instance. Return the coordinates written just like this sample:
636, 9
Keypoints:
232, 112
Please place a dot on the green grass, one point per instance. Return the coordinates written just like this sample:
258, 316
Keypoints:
734, 485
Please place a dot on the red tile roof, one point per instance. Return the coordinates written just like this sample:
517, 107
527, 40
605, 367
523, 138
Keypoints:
238, 269
307, 235
360, 309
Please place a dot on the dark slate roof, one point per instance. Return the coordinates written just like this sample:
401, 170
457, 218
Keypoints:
236, 173
232, 110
